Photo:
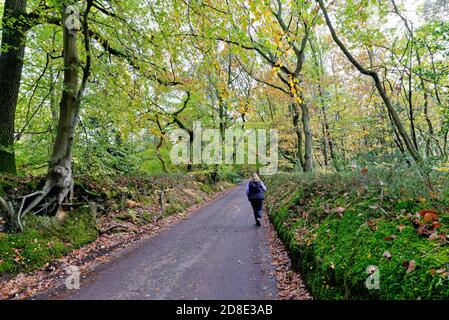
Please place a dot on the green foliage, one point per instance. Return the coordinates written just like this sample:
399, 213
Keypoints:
130, 87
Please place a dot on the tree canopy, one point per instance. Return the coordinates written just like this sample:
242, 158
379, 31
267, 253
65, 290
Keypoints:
93, 87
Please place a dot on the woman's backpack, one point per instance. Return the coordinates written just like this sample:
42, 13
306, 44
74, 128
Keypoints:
254, 187
255, 190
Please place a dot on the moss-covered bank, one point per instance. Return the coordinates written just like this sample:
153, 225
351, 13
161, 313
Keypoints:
338, 225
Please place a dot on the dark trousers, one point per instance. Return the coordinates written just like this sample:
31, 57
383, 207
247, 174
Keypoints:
257, 205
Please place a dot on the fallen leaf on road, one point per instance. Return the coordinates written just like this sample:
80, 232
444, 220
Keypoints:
289, 283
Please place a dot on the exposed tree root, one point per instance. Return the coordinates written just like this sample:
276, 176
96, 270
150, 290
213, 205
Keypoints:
7, 211
48, 201
111, 228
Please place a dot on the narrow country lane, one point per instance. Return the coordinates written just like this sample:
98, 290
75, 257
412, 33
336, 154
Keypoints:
217, 253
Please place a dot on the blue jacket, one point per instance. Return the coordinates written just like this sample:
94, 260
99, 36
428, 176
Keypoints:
258, 195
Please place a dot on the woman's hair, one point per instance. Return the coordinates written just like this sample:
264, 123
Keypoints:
255, 177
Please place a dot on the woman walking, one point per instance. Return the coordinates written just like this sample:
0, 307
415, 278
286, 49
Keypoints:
255, 190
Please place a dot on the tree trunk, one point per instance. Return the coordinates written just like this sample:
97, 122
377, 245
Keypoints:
60, 168
11, 64
298, 131
429, 152
326, 127
59, 180
426, 109
53, 95
159, 155
308, 138
327, 139
409, 94
324, 146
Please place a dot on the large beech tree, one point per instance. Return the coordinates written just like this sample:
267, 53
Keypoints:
59, 180
11, 64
